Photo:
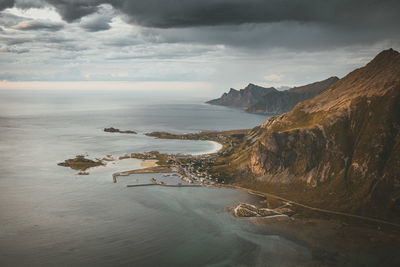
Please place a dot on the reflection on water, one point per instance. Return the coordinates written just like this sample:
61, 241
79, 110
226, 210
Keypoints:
51, 217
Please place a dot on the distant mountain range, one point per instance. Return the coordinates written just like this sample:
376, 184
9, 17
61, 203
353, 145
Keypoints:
259, 99
338, 150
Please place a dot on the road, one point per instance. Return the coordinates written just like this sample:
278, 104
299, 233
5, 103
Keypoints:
319, 209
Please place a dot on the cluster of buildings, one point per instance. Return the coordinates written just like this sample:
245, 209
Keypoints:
194, 169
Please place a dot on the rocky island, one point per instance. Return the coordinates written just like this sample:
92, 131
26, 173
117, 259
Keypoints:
115, 130
80, 163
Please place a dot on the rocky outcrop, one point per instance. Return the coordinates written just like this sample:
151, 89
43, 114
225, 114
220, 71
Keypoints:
248, 210
340, 149
115, 130
258, 99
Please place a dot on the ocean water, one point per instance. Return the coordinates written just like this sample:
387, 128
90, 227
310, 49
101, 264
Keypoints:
49, 216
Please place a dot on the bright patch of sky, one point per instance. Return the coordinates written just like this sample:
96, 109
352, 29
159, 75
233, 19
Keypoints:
47, 13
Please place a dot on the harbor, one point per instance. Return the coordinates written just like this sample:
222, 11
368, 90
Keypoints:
192, 171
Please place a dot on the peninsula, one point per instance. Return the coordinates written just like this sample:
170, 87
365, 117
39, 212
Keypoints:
257, 99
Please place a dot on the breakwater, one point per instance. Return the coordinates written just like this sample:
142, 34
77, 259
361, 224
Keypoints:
167, 185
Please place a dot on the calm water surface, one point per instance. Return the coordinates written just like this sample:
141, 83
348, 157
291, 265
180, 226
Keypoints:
51, 217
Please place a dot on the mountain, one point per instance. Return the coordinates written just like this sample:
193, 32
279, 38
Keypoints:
243, 98
338, 150
258, 99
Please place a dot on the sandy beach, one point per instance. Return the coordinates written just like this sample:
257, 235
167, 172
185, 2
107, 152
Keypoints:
123, 165
216, 147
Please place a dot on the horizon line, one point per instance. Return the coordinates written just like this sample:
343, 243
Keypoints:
104, 85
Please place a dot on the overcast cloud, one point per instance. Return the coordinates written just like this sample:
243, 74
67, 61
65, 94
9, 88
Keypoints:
226, 42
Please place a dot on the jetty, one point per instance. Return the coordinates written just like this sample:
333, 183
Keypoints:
167, 185
136, 185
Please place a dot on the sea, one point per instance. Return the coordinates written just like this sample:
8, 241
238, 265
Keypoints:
50, 216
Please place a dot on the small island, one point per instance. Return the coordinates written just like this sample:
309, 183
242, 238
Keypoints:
115, 130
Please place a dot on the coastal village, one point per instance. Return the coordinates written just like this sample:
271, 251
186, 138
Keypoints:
192, 170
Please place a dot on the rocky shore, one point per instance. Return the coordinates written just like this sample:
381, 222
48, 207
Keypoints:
249, 210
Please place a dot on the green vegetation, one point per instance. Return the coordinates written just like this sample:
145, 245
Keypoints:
299, 119
162, 159
80, 163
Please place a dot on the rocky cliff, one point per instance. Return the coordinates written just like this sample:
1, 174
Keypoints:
339, 150
258, 99
242, 98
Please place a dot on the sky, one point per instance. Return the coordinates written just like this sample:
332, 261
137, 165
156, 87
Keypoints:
189, 44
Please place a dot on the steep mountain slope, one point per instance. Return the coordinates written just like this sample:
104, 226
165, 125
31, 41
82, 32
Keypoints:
269, 100
314, 88
340, 149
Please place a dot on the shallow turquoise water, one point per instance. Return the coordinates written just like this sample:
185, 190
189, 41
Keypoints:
51, 217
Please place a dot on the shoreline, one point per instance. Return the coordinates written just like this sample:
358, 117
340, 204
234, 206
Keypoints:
342, 241
217, 147
334, 213
148, 164
336, 236
317, 226
117, 164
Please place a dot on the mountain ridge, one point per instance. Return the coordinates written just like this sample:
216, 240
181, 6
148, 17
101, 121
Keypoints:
340, 149
257, 99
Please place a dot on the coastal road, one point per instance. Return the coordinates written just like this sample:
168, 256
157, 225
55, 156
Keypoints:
319, 209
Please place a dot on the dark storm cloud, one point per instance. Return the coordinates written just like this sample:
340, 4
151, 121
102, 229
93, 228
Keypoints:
231, 40
291, 35
73, 10
188, 13
25, 4
316, 23
6, 4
